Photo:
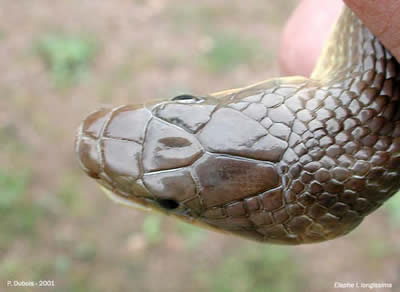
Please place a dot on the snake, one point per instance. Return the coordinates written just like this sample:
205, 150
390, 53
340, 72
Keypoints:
289, 160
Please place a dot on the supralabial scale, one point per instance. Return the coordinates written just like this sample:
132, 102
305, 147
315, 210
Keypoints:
289, 160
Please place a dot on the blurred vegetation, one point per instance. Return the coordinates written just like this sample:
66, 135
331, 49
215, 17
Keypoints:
256, 268
152, 228
18, 214
70, 196
228, 51
10, 141
153, 232
377, 249
393, 208
68, 57
192, 235
193, 13
85, 251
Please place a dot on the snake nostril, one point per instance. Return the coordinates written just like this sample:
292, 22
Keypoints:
168, 204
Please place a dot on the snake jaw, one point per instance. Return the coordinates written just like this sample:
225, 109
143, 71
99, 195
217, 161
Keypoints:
132, 202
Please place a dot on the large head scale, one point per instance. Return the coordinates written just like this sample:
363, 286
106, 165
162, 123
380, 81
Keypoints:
190, 157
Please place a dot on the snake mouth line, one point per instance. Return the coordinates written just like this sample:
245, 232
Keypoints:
140, 203
148, 205
133, 202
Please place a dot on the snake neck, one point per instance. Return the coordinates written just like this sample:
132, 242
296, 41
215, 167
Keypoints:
340, 159
349, 161
352, 50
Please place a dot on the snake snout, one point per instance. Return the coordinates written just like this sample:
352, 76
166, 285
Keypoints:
110, 144
87, 147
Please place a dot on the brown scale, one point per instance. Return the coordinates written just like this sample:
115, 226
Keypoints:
289, 160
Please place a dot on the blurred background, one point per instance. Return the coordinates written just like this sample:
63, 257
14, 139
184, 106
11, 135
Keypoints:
60, 60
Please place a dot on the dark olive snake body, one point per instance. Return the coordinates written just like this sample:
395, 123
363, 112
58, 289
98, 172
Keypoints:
289, 160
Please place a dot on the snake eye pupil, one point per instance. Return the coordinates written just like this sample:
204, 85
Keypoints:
186, 98
168, 204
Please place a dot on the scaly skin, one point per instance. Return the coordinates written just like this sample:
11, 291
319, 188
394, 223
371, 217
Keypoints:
289, 160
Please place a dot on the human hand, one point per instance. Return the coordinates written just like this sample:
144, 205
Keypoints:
309, 26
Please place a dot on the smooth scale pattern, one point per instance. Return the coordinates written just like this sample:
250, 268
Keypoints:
289, 160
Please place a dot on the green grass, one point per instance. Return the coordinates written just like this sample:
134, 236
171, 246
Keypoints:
378, 249
81, 284
18, 214
227, 52
12, 187
193, 236
256, 268
152, 229
62, 264
192, 13
10, 141
68, 57
393, 208
85, 251
69, 193
19, 217
9, 268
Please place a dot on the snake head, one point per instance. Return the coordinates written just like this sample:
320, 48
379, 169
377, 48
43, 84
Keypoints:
143, 155
191, 157
289, 160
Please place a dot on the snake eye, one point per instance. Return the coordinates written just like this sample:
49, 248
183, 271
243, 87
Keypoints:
187, 98
168, 204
